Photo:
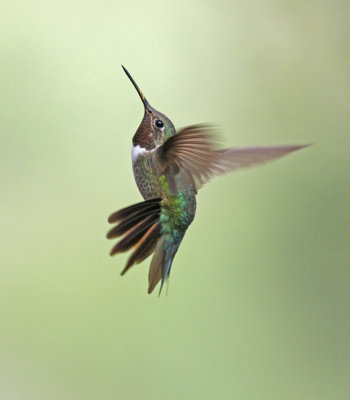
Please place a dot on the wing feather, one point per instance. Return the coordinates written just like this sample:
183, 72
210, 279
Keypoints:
194, 149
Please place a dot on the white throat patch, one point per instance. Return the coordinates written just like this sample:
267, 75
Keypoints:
136, 151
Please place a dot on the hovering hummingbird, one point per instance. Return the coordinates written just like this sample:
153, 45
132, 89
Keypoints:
169, 168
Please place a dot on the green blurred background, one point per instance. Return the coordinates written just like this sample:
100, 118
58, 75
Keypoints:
258, 303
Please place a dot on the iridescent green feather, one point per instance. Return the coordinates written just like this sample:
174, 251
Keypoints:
174, 217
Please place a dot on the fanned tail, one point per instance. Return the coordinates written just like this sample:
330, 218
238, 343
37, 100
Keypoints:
140, 227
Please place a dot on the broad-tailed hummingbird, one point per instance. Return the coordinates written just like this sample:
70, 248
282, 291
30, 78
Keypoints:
169, 168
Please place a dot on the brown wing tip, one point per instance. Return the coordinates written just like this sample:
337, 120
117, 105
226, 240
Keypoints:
300, 146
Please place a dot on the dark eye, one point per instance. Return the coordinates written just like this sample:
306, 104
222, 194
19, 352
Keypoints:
159, 123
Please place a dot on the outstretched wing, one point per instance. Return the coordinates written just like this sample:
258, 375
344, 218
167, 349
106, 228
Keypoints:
193, 149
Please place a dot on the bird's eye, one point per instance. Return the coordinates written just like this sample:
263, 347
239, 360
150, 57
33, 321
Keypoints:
159, 123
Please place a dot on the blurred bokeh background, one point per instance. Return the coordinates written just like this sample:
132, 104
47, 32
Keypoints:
258, 302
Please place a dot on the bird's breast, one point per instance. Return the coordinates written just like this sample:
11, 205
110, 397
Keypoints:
144, 173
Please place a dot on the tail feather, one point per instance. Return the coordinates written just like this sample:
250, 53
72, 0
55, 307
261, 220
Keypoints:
140, 227
144, 247
133, 236
161, 263
130, 221
127, 211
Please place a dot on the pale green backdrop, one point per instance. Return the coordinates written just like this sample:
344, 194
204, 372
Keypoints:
258, 302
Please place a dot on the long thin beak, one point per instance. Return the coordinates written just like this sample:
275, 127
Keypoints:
143, 98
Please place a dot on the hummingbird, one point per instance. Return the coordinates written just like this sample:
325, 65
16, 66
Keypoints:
169, 168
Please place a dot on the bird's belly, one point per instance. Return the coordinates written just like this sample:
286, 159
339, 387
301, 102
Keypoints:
177, 210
